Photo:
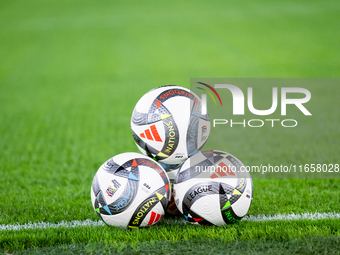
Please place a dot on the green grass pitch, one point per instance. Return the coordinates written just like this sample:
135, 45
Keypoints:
71, 73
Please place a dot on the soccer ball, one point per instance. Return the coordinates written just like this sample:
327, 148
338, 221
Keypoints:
213, 188
172, 171
130, 190
167, 124
172, 209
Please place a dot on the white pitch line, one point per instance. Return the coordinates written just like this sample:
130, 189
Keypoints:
293, 216
63, 224
86, 223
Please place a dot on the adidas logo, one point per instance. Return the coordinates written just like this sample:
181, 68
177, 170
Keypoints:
151, 134
221, 171
154, 218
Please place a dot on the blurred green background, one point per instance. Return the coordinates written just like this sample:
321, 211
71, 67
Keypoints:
72, 71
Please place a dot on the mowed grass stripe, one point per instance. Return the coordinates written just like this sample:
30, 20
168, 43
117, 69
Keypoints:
280, 231
309, 245
88, 222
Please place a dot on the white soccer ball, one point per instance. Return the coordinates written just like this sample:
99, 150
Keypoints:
172, 170
167, 124
130, 190
213, 188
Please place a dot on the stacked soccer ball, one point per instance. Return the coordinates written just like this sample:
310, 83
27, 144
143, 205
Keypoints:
134, 190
